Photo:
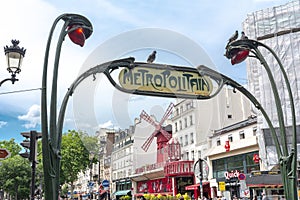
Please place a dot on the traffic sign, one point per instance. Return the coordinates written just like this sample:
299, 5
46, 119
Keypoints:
4, 153
242, 176
105, 183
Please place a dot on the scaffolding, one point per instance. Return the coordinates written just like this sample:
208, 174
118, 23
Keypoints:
279, 28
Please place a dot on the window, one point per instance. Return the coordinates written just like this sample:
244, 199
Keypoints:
192, 137
242, 135
176, 127
254, 131
230, 138
199, 154
191, 120
180, 125
229, 116
193, 155
218, 141
186, 140
185, 122
187, 155
189, 105
181, 141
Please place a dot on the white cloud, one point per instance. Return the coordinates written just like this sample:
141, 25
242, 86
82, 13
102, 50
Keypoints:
2, 123
32, 117
107, 124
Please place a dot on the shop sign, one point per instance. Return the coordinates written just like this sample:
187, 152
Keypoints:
165, 79
258, 173
222, 186
232, 174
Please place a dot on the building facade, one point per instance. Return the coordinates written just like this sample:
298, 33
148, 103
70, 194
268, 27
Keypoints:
194, 120
122, 162
279, 28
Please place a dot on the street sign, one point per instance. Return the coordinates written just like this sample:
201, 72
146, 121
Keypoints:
205, 169
242, 176
90, 184
105, 183
4, 153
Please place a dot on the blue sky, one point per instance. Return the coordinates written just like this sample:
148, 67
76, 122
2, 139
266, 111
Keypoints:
207, 23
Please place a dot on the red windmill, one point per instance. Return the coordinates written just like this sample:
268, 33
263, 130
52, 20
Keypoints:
162, 135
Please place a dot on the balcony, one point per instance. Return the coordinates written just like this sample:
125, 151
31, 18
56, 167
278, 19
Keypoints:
177, 168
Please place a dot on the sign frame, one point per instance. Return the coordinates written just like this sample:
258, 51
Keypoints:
6, 153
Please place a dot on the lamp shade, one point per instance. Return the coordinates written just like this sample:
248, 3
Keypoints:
77, 36
14, 57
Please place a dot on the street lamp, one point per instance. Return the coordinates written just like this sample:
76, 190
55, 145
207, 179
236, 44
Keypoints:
14, 57
237, 51
78, 28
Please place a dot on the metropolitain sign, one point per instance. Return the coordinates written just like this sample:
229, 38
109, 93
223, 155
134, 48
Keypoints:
165, 79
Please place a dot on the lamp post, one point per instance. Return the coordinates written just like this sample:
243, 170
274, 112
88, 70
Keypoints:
91, 183
14, 57
79, 29
237, 51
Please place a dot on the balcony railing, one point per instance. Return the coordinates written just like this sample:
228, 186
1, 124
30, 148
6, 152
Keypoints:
176, 168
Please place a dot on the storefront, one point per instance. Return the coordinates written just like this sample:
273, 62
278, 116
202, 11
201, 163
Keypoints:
156, 186
233, 171
269, 182
196, 190
123, 188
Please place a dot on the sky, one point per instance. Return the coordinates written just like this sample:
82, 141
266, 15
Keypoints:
208, 24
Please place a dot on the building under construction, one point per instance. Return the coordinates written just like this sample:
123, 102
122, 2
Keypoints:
278, 28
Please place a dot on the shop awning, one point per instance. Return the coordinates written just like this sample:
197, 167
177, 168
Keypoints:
122, 193
264, 181
265, 185
195, 186
161, 193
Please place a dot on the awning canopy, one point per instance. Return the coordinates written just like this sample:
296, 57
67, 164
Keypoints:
264, 180
123, 193
156, 193
195, 186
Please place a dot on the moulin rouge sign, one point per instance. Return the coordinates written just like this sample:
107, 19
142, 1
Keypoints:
165, 79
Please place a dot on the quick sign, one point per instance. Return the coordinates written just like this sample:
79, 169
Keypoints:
165, 79
232, 174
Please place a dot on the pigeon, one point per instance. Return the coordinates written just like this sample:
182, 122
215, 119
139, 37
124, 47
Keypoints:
243, 36
234, 36
151, 57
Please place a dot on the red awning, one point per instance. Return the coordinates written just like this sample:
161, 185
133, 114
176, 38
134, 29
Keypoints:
265, 185
162, 193
195, 186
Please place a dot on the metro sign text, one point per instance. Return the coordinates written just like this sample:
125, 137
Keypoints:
165, 80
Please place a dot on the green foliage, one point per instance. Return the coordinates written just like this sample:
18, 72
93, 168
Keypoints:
75, 156
15, 176
125, 197
168, 197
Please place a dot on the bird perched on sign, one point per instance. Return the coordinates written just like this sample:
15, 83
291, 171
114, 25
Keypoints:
234, 36
151, 57
243, 36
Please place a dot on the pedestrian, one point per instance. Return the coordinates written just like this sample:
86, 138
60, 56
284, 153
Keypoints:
264, 197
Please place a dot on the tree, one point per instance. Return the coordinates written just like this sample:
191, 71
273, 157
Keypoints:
75, 156
15, 176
